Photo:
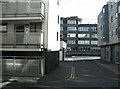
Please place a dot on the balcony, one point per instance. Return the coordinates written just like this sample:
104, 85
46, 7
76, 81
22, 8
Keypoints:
21, 40
22, 9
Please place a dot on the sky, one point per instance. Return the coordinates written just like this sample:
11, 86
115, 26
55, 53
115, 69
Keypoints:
88, 10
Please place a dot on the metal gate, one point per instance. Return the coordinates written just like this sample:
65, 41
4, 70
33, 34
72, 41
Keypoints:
30, 66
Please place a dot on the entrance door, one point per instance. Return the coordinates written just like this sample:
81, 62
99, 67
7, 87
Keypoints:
19, 36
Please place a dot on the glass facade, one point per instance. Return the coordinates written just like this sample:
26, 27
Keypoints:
71, 21
61, 28
71, 42
61, 21
87, 28
83, 35
71, 35
89, 48
71, 28
94, 42
94, 36
95, 48
83, 42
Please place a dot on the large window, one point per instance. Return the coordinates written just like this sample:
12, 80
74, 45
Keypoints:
95, 48
35, 27
83, 42
3, 28
84, 48
19, 28
87, 28
83, 35
71, 21
71, 28
71, 35
94, 42
83, 28
70, 41
93, 28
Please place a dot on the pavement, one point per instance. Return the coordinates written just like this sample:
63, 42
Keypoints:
109, 65
60, 73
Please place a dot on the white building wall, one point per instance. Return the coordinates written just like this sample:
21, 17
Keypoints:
53, 26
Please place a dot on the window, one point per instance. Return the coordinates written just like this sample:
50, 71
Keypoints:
93, 35
69, 48
112, 33
3, 28
94, 42
71, 28
43, 8
70, 41
61, 28
83, 42
103, 10
111, 19
58, 2
71, 35
116, 15
95, 49
71, 21
101, 27
119, 9
87, 28
111, 6
35, 27
19, 28
61, 21
84, 48
58, 19
57, 36
93, 28
83, 28
83, 35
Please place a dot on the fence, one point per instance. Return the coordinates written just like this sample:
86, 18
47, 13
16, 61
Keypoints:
30, 66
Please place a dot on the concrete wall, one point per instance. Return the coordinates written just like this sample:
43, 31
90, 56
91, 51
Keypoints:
110, 51
53, 26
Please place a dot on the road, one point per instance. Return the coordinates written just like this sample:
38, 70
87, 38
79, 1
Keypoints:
81, 75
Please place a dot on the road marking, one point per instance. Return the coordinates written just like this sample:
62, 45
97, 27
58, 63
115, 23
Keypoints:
72, 73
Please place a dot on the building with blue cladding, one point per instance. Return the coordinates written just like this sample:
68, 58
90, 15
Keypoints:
81, 39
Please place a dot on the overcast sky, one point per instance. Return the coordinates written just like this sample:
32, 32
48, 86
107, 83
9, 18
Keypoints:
86, 9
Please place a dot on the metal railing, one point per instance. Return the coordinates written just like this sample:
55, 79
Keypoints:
21, 39
17, 9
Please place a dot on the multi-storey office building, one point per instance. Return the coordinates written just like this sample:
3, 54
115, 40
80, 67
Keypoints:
27, 33
81, 38
109, 32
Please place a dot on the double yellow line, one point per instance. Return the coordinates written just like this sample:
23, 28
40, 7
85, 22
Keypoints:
71, 74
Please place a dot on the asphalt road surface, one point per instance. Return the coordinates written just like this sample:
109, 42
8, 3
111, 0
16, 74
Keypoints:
81, 75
